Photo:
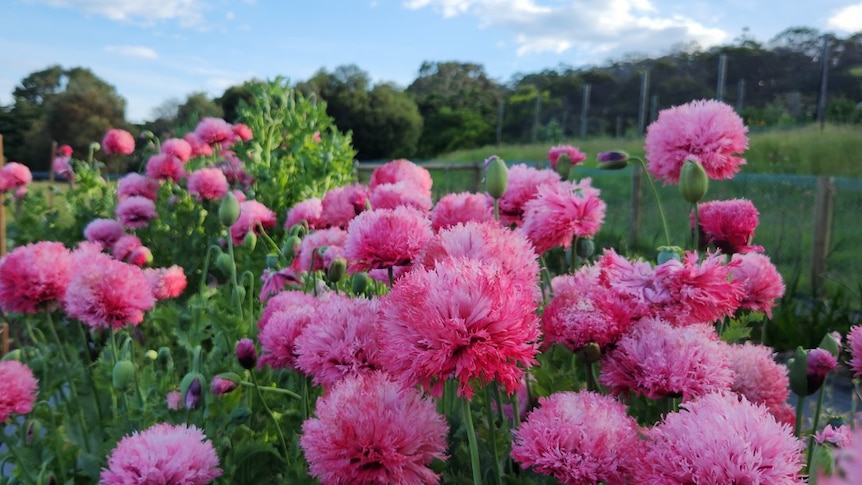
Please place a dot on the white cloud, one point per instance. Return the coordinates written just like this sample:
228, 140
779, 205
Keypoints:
848, 19
187, 12
133, 51
608, 27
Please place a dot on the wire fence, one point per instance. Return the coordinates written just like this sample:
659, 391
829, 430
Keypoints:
810, 226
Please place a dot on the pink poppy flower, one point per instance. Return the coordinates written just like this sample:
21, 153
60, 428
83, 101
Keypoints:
342, 339
278, 337
163, 453
199, 148
34, 277
854, 347
105, 232
390, 196
242, 131
136, 212
135, 184
162, 166
178, 148
62, 167
252, 216
760, 281
104, 292
584, 312
658, 360
523, 186
493, 245
705, 131
720, 438
14, 176
838, 437
166, 283
561, 211
573, 153
728, 225
214, 130
64, 151
308, 257
309, 211
453, 209
272, 282
174, 400
207, 184
19, 389
288, 301
848, 462
758, 377
371, 429
342, 204
461, 320
117, 141
402, 170
124, 246
384, 238
579, 438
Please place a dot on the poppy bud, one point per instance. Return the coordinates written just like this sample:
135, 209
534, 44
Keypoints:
563, 166
225, 264
191, 388
228, 211
496, 177
693, 182
246, 353
337, 270
250, 240
123, 375
585, 248
359, 284
224, 383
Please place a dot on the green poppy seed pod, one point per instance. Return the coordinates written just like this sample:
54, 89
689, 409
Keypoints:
225, 264
123, 375
693, 182
359, 284
337, 270
250, 240
240, 292
666, 253
272, 260
564, 166
799, 372
497, 177
228, 211
586, 248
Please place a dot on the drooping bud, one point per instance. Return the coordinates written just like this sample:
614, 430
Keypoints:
337, 270
225, 264
151, 354
693, 182
224, 383
246, 353
291, 247
250, 240
496, 177
613, 160
590, 353
228, 211
123, 375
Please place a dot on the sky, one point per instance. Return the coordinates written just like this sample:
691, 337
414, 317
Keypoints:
156, 50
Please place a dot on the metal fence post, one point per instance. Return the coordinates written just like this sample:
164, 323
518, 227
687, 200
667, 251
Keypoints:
823, 201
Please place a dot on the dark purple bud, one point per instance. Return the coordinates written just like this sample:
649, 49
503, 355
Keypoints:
193, 394
246, 353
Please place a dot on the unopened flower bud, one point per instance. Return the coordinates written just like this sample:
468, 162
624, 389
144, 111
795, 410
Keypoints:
246, 353
613, 156
151, 354
819, 363
693, 182
337, 270
13, 355
496, 177
585, 248
799, 372
359, 284
250, 240
225, 264
34, 429
563, 166
228, 211
291, 247
140, 256
831, 342
123, 375
272, 260
191, 388
590, 353
224, 383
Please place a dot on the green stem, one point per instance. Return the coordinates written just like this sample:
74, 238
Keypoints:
274, 419
547, 289
516, 410
391, 274
492, 428
211, 249
19, 463
574, 252
233, 280
471, 440
74, 388
657, 199
814, 429
800, 408
277, 390
497, 209
695, 234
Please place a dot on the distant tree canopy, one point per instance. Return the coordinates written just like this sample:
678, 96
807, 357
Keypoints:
453, 105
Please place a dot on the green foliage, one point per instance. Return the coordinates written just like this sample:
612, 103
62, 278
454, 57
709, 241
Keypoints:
287, 162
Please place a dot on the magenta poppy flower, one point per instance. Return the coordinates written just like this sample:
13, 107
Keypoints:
385, 238
117, 141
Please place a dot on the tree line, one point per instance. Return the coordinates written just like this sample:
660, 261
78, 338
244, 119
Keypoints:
453, 105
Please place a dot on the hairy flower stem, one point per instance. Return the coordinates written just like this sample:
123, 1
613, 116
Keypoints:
800, 407
497, 209
492, 428
391, 273
657, 199
234, 284
811, 440
471, 441
271, 415
19, 463
547, 289
62, 351
277, 390
695, 232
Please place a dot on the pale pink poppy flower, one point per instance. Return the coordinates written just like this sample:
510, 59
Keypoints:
198, 148
136, 212
34, 277
162, 166
579, 438
288, 301
854, 347
207, 184
178, 148
720, 438
402, 170
117, 141
104, 231
134, 184
308, 257
573, 153
278, 337
705, 131
214, 130
657, 360
462, 320
384, 238
453, 209
758, 377
163, 453
19, 389
562, 211
523, 186
390, 196
342, 204
124, 246
166, 283
761, 282
838, 437
308, 211
242, 131
848, 462
372, 429
14, 176
252, 216
62, 167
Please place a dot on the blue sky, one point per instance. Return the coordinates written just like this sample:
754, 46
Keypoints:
155, 50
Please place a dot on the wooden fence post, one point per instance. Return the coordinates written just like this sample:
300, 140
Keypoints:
2, 207
634, 224
823, 201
